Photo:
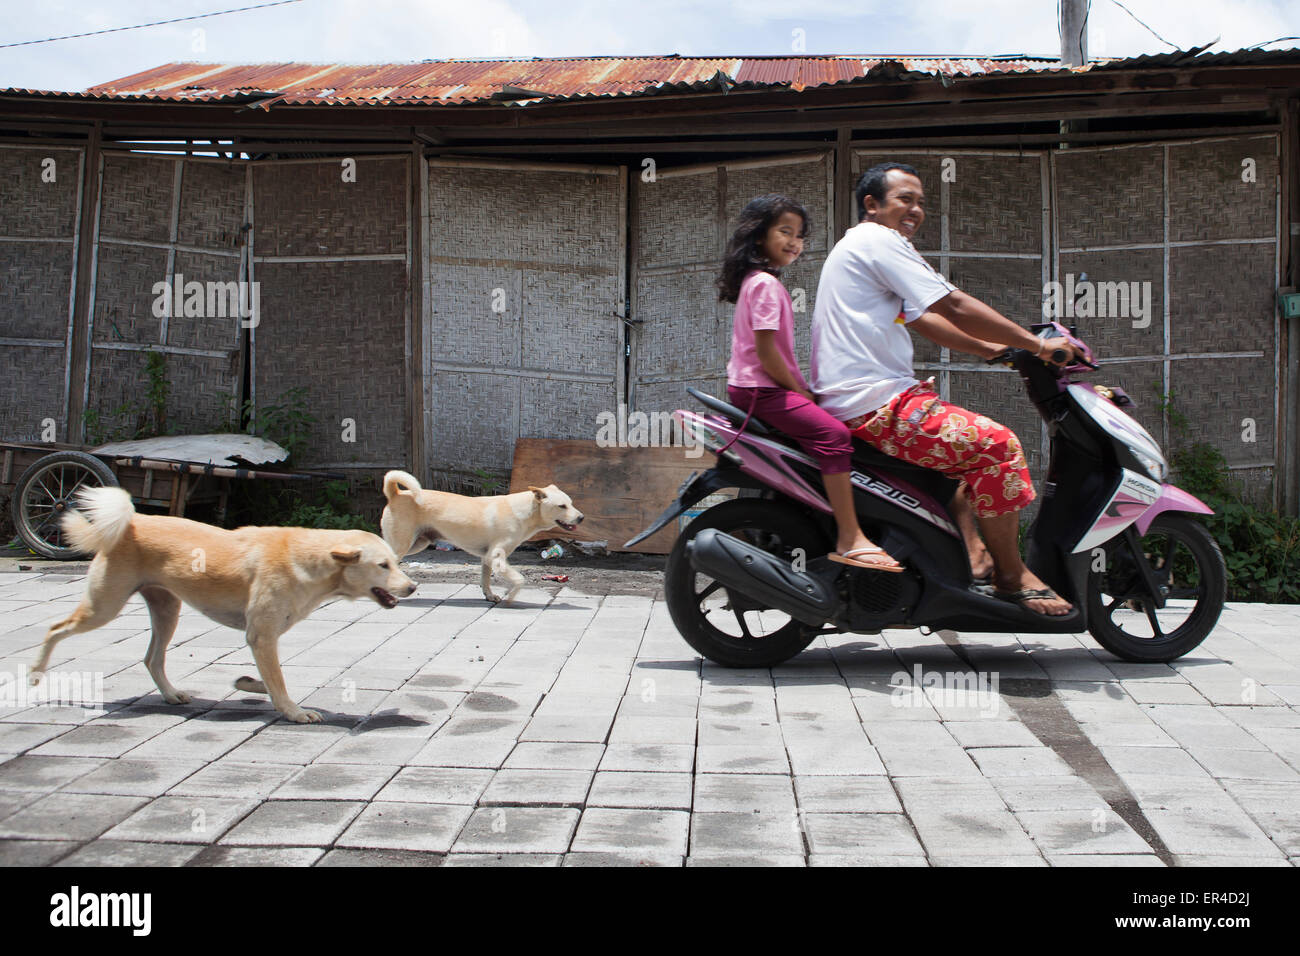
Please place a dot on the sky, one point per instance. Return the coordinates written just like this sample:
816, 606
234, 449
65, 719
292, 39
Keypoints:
401, 31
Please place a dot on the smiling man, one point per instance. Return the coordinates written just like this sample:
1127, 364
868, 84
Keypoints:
873, 286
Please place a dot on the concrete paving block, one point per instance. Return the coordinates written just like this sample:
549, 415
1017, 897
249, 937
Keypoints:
630, 858
182, 819
457, 785
944, 858
980, 833
538, 788
742, 758
68, 816
747, 860
669, 758
567, 729
487, 751
1244, 764
1047, 793
44, 774
641, 789
741, 833
642, 729
518, 830
888, 834
743, 793
385, 858
845, 794
621, 830
1098, 830
327, 781
1019, 762
104, 853
261, 856
1163, 760
426, 827
294, 823
300, 744
504, 859
1197, 833
538, 755
228, 778
1104, 859
34, 852
139, 778
379, 747
944, 793
991, 733
16, 738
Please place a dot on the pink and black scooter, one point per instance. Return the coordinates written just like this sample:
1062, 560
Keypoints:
748, 583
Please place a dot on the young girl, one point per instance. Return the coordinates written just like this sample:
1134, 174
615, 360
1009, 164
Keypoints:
763, 377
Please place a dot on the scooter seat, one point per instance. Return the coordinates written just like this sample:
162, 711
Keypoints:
729, 411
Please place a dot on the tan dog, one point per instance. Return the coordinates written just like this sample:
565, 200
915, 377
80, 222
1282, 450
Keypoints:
260, 580
489, 528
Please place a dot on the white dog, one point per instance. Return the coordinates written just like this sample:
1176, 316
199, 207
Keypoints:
488, 528
260, 580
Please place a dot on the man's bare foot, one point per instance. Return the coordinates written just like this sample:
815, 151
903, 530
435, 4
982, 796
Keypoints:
1055, 606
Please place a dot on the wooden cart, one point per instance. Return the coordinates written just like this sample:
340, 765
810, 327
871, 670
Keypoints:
44, 477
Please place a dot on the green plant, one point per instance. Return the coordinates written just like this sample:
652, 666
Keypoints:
146, 419
286, 421
488, 483
332, 509
1261, 548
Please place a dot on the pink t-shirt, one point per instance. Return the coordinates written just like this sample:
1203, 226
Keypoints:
762, 303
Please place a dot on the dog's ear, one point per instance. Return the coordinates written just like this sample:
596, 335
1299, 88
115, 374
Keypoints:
345, 555
539, 493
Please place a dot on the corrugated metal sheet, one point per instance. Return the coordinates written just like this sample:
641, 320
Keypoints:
523, 82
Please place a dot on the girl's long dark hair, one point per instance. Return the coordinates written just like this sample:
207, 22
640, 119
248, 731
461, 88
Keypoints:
744, 254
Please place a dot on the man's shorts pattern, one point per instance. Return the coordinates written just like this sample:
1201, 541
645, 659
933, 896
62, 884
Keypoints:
921, 428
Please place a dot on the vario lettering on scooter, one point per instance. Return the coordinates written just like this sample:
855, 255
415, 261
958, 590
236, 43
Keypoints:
889, 491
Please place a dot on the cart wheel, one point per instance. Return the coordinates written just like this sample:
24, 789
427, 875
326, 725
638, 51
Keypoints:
45, 492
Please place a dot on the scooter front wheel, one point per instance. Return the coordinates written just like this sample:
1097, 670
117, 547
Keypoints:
726, 627
1187, 566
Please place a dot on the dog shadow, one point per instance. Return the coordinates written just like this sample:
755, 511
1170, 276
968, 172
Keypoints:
207, 711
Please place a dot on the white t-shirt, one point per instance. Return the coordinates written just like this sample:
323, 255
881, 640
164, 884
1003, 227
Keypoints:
873, 281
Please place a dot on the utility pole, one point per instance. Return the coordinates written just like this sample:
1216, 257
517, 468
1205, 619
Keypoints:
1074, 49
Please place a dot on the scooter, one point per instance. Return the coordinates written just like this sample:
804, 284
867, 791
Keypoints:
748, 583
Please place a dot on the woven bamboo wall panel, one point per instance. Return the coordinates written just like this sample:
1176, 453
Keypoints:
31, 390
1001, 397
136, 198
1208, 199
569, 323
1222, 298
200, 391
677, 220
1012, 286
995, 204
1115, 334
558, 409
34, 293
1217, 396
525, 215
337, 329
800, 280
211, 330
929, 167
684, 331
30, 207
212, 205
124, 294
806, 183
1143, 382
1110, 196
667, 396
466, 329
473, 423
306, 209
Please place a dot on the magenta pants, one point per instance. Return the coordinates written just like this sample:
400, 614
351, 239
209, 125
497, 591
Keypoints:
820, 434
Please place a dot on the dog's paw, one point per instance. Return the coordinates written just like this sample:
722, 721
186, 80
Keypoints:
34, 677
250, 685
179, 697
490, 597
301, 716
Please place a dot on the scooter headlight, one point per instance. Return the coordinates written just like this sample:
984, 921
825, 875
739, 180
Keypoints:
1154, 463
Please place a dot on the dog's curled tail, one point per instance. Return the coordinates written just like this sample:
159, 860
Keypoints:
102, 516
398, 481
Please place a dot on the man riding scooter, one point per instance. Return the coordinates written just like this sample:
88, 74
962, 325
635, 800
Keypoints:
874, 283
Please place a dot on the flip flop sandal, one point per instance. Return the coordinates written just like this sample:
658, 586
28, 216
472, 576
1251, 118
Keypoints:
848, 558
1030, 594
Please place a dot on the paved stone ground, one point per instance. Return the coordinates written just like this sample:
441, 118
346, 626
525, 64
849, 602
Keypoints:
579, 729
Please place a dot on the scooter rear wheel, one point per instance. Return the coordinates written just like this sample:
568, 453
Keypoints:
1188, 566
728, 628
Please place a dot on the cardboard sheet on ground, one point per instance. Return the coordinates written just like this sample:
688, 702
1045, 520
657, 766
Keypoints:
620, 490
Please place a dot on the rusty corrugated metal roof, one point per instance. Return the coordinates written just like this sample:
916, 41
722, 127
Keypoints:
522, 82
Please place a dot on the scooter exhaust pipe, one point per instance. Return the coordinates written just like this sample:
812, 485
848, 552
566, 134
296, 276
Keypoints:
762, 576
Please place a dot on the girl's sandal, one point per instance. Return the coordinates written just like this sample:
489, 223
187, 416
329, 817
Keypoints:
850, 558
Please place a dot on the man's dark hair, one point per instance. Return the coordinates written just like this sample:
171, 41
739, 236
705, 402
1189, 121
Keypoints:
872, 183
